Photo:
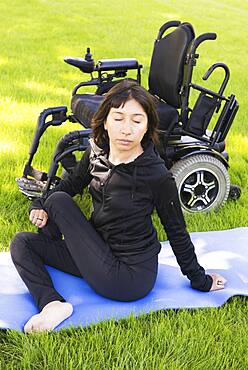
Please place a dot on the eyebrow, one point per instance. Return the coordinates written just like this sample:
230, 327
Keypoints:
133, 114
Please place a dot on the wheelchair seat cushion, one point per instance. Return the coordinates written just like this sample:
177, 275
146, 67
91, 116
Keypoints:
85, 105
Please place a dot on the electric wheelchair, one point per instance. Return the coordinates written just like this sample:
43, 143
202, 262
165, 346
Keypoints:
195, 155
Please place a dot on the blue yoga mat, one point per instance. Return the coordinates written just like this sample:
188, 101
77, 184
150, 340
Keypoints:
225, 252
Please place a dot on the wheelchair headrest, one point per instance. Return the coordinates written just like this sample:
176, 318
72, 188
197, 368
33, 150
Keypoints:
168, 61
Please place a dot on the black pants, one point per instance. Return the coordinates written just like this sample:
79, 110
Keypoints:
70, 243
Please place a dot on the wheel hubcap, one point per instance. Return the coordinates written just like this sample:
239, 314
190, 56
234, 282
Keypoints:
199, 190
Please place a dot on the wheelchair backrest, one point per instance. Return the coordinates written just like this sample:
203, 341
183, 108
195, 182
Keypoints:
168, 62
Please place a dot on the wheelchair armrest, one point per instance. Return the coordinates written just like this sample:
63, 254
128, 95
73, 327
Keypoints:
117, 64
207, 91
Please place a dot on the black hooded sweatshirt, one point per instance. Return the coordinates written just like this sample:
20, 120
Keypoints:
124, 197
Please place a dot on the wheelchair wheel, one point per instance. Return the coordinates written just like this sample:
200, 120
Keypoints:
203, 183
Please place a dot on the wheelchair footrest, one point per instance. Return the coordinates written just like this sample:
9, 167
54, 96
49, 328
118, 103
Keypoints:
32, 188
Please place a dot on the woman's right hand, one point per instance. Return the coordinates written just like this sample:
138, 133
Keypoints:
38, 217
218, 281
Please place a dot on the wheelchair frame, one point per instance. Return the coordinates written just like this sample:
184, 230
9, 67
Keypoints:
181, 140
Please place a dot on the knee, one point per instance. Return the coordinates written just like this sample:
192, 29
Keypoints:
57, 198
18, 244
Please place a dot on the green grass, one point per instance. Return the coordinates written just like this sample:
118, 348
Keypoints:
35, 35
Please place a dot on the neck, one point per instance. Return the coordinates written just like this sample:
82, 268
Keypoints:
117, 157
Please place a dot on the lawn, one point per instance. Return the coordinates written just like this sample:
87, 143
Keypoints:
35, 36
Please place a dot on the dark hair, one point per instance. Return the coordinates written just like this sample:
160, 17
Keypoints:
117, 96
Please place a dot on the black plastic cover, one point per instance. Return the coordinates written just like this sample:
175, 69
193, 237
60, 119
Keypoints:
84, 106
84, 65
201, 115
167, 64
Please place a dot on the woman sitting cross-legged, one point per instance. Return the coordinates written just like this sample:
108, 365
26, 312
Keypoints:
116, 251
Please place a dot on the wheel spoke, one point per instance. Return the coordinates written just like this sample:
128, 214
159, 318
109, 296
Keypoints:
207, 198
211, 186
188, 188
204, 200
199, 177
191, 202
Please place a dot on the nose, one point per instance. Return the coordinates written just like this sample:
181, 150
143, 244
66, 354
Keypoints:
126, 128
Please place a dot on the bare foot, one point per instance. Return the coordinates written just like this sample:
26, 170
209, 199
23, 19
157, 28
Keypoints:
51, 316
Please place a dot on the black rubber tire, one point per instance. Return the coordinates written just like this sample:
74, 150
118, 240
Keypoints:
203, 183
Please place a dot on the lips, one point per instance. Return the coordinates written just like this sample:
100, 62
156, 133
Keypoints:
123, 141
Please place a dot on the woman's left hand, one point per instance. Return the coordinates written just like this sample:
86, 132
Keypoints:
38, 217
218, 281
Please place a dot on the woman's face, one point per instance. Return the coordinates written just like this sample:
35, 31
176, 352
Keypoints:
126, 126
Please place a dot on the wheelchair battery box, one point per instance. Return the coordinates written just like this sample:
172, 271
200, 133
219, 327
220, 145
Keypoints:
117, 64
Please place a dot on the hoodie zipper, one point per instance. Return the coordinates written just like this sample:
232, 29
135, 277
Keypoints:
104, 185
175, 212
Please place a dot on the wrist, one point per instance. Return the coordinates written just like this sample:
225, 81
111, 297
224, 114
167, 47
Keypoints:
204, 286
